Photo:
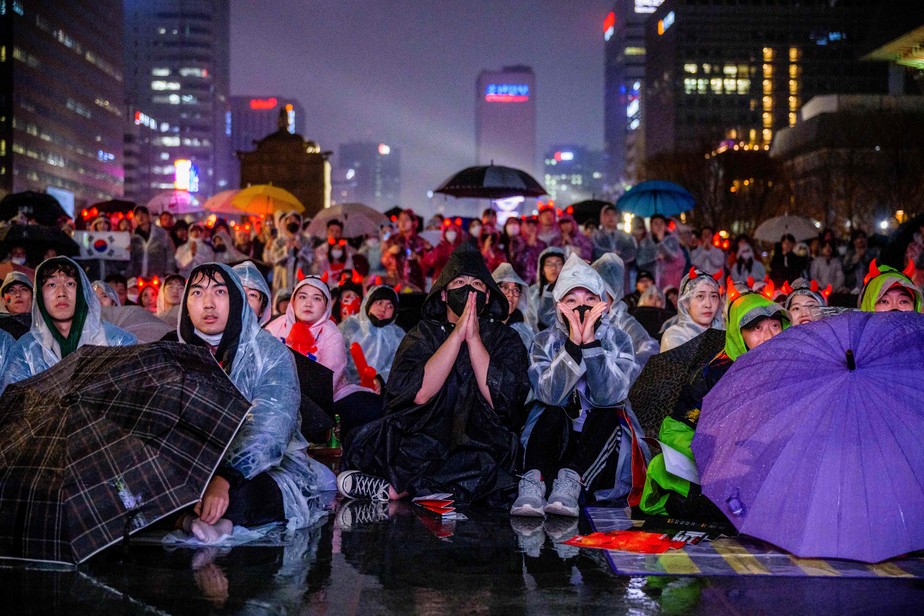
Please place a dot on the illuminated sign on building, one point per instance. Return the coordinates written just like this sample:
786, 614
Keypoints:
186, 176
263, 103
142, 119
647, 6
560, 156
290, 118
384, 150
609, 26
506, 93
664, 24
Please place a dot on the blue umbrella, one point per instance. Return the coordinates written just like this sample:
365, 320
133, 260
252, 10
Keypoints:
812, 441
656, 197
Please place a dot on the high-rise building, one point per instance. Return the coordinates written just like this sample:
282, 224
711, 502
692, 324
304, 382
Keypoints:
740, 70
369, 173
177, 70
624, 76
254, 117
505, 118
573, 173
62, 112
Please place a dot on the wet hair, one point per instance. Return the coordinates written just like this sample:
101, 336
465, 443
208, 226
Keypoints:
230, 339
58, 267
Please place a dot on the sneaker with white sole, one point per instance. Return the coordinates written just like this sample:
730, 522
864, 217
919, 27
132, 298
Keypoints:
566, 492
353, 513
530, 534
354, 484
531, 496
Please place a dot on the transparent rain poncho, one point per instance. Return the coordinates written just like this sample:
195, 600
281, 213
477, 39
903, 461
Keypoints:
38, 350
270, 439
505, 273
685, 328
379, 344
251, 278
540, 312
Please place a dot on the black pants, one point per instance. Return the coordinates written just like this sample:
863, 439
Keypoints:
356, 410
254, 502
553, 445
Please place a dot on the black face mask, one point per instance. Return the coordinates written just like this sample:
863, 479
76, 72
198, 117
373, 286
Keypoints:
456, 299
293, 227
582, 311
220, 248
377, 322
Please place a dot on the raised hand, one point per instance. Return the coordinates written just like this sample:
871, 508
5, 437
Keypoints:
575, 331
587, 331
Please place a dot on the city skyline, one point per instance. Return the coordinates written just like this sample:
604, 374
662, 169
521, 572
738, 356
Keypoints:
404, 77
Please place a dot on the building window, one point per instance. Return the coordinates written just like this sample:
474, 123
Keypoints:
160, 72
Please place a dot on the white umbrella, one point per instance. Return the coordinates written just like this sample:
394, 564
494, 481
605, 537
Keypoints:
358, 220
772, 229
175, 202
221, 203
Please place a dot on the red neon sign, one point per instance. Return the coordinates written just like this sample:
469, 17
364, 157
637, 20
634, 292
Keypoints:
263, 103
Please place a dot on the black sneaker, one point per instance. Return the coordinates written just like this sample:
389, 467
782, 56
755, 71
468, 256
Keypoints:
354, 484
354, 513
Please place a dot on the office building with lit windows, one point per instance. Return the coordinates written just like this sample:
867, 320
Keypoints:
739, 70
624, 76
369, 173
177, 70
61, 99
573, 173
505, 118
255, 117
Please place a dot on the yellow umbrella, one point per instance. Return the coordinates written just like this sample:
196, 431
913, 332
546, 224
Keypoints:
266, 199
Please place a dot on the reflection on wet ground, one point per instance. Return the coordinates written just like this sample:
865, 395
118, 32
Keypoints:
383, 559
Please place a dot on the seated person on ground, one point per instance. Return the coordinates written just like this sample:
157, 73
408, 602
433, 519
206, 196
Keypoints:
374, 330
266, 475
613, 271
257, 289
886, 289
454, 399
17, 293
65, 317
804, 300
581, 370
516, 291
752, 319
698, 309
541, 307
307, 328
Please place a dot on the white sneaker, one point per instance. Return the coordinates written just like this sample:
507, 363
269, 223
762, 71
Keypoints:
531, 497
566, 492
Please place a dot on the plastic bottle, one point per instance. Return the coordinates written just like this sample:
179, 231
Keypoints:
334, 442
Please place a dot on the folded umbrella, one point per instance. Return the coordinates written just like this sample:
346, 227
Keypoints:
655, 391
812, 441
106, 442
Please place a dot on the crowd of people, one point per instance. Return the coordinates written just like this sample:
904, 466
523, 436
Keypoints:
509, 388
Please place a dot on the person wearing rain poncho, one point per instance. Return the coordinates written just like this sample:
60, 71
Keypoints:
612, 269
106, 294
288, 251
6, 345
258, 292
454, 399
373, 329
169, 298
698, 309
65, 317
886, 289
516, 291
266, 475
804, 300
752, 319
581, 431
540, 313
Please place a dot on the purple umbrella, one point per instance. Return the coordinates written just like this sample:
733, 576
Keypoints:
813, 440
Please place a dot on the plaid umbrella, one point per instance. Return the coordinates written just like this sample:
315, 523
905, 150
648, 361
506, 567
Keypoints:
107, 442
657, 388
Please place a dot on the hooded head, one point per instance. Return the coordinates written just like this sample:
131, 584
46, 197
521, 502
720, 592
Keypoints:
551, 251
451, 233
283, 221
691, 285
381, 292
253, 280
465, 260
77, 304
175, 282
506, 273
282, 295
745, 310
802, 300
348, 295
101, 287
577, 273
214, 313
613, 271
302, 302
880, 281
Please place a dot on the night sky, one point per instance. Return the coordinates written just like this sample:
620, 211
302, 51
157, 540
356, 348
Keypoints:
403, 72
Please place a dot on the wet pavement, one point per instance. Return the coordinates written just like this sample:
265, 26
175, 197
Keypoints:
380, 559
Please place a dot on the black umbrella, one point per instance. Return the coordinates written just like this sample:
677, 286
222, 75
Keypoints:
114, 206
106, 442
37, 240
657, 388
41, 207
491, 182
16, 325
587, 210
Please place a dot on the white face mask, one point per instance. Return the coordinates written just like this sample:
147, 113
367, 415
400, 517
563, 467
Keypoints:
451, 236
475, 231
513, 230
18, 260
132, 297
336, 254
